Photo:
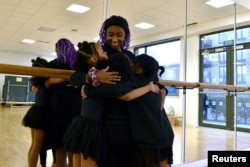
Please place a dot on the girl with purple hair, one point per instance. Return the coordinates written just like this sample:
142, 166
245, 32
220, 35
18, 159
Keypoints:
65, 100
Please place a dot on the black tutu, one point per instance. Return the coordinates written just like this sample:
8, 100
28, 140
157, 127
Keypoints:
148, 157
65, 105
88, 137
36, 117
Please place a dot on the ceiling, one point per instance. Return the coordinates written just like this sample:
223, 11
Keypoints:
21, 19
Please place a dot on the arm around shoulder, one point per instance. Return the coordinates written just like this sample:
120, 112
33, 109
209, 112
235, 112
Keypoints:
138, 92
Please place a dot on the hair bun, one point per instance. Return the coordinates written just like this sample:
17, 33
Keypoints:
39, 62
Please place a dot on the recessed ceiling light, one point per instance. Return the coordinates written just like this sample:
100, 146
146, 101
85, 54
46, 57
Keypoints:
47, 29
144, 25
29, 41
219, 3
77, 8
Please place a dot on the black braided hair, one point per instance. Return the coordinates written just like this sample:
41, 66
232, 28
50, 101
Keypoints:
149, 66
39, 62
121, 63
85, 51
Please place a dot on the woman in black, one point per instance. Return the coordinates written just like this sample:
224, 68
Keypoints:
65, 101
115, 39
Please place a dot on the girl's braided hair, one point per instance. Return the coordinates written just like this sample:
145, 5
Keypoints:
39, 62
66, 52
149, 66
85, 51
121, 63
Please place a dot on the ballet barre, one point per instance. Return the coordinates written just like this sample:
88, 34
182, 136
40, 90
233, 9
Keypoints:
48, 72
35, 71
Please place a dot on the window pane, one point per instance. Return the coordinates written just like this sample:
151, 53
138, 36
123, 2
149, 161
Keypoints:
168, 55
225, 38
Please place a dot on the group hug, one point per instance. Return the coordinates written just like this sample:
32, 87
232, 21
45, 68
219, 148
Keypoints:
110, 113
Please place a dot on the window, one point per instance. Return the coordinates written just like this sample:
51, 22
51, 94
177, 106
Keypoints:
167, 53
225, 38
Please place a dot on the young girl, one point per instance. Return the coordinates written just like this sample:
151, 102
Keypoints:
36, 116
85, 134
86, 137
150, 127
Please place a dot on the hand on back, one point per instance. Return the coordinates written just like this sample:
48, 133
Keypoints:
106, 77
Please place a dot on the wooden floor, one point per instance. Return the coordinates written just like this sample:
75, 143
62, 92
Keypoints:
15, 140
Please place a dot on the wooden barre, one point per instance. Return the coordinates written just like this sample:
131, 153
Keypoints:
224, 87
49, 72
35, 71
191, 85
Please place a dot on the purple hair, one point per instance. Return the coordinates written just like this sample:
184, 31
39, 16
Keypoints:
119, 21
66, 52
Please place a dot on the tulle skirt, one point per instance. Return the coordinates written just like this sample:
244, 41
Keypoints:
65, 105
36, 117
88, 137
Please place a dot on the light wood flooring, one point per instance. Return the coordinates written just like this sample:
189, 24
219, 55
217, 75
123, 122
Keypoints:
15, 140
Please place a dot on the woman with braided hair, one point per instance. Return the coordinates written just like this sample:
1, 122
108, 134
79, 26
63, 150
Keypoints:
65, 101
114, 38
